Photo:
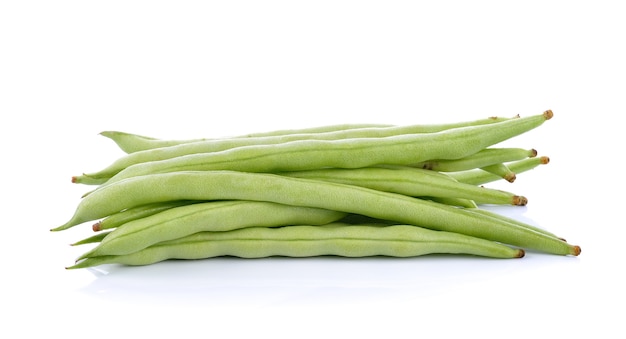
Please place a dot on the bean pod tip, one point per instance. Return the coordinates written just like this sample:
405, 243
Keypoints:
548, 114
510, 177
520, 200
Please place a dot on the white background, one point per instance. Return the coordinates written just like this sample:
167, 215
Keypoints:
185, 69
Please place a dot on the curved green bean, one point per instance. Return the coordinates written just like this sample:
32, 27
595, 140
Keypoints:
482, 158
458, 202
130, 143
512, 220
415, 182
347, 153
230, 185
306, 241
480, 177
120, 218
96, 238
501, 170
217, 145
209, 216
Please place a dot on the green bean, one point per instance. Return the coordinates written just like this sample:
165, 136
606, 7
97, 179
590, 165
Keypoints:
209, 216
98, 237
120, 218
415, 182
216, 145
348, 153
306, 241
130, 143
459, 202
512, 220
480, 177
230, 185
482, 158
501, 170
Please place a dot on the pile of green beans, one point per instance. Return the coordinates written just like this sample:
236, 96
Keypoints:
341, 190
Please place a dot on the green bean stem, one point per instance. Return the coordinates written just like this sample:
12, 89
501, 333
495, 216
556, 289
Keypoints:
347, 153
224, 185
307, 241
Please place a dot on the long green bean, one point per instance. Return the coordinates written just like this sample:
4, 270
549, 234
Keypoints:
306, 241
348, 153
130, 143
223, 185
217, 145
415, 182
209, 216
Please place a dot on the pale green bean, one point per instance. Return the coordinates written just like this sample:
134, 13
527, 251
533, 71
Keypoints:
217, 145
348, 153
208, 216
130, 143
480, 177
306, 241
223, 185
482, 158
415, 182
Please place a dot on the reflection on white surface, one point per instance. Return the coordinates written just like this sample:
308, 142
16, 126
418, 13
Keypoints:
278, 280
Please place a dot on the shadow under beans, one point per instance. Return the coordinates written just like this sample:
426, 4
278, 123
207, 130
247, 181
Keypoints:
233, 282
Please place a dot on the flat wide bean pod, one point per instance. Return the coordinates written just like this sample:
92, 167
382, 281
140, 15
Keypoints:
415, 182
231, 185
347, 153
209, 216
217, 145
307, 241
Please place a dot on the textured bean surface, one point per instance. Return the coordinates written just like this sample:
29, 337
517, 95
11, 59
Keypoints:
209, 216
346, 153
306, 241
220, 185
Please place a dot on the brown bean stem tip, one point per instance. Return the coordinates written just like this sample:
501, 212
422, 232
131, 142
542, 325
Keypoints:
510, 177
544, 160
96, 227
576, 250
74, 179
533, 153
520, 253
519, 200
548, 114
